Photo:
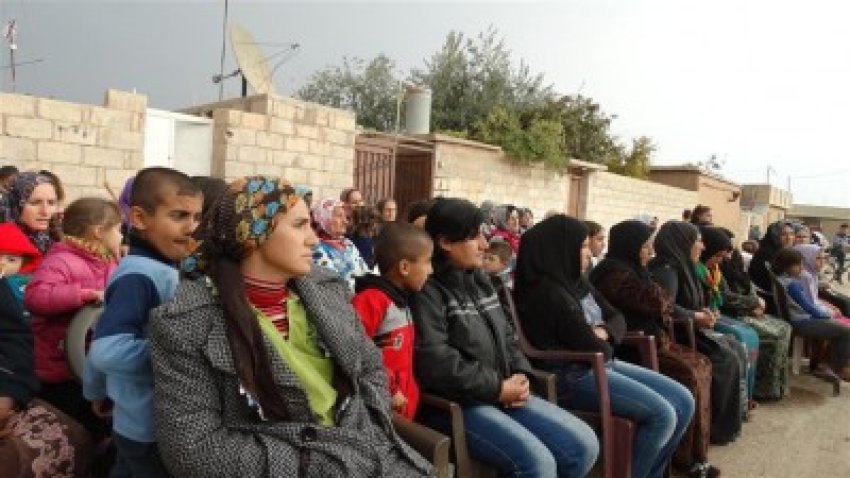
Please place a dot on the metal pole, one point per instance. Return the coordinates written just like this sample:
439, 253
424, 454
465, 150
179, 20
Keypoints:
223, 52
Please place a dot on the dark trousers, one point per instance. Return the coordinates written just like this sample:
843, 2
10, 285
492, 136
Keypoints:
68, 397
827, 329
137, 460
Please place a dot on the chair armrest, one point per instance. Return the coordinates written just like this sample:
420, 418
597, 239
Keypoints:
544, 385
459, 451
646, 348
432, 445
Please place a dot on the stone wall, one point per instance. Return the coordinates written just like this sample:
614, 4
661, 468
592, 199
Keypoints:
85, 145
610, 198
303, 142
478, 172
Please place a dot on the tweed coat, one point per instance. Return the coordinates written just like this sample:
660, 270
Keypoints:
206, 428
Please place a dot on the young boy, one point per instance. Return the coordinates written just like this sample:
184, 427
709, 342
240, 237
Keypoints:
165, 210
498, 259
403, 254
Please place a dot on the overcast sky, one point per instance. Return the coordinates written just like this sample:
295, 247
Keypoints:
758, 83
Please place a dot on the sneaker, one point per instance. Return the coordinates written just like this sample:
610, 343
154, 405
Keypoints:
703, 470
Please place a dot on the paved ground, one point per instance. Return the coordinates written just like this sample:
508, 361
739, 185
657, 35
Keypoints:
804, 435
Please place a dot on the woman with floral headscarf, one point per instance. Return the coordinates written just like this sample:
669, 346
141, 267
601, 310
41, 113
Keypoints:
506, 221
261, 366
34, 201
334, 250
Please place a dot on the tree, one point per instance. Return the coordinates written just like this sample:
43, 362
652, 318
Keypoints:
636, 162
370, 89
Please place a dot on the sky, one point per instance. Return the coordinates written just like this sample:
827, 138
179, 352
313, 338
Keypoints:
763, 85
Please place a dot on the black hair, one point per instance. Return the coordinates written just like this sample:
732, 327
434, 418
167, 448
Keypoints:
382, 203
7, 171
593, 228
418, 209
502, 250
147, 187
786, 258
399, 241
698, 211
212, 189
454, 220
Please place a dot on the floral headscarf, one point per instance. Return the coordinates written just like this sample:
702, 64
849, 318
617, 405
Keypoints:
323, 212
243, 219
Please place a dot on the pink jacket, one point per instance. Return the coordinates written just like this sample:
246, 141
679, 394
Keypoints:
64, 282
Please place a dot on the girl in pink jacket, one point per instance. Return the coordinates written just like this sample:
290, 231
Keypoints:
72, 275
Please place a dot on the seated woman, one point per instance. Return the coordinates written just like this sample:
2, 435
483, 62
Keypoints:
717, 247
779, 234
623, 279
814, 260
740, 301
334, 250
560, 310
466, 351
678, 247
506, 221
262, 367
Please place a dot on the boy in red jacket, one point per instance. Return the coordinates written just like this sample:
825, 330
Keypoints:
403, 254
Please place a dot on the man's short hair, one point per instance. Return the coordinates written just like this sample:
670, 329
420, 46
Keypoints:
502, 250
7, 171
399, 241
149, 182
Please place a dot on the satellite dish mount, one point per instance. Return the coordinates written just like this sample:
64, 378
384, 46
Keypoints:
253, 65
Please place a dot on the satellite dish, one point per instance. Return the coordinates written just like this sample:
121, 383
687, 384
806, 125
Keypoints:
252, 63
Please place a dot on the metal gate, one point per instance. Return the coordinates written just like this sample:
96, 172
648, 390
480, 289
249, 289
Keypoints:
399, 168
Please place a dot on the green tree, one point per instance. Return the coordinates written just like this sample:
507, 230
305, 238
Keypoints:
370, 89
636, 162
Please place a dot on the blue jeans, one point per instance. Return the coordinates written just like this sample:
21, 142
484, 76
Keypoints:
539, 439
661, 407
137, 460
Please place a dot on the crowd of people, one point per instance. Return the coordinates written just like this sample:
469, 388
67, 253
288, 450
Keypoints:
248, 329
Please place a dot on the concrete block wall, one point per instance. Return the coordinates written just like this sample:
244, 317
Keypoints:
479, 172
305, 143
611, 198
85, 145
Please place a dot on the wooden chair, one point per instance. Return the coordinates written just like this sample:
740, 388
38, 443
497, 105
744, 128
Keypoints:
799, 343
616, 434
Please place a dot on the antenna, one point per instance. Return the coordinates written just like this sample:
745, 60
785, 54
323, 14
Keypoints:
11, 33
253, 66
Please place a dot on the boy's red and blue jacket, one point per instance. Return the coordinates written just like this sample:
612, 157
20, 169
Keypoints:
384, 312
118, 365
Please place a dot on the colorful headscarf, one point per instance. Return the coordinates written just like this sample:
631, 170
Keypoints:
244, 218
323, 213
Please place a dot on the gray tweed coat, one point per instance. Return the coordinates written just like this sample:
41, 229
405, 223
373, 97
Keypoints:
206, 428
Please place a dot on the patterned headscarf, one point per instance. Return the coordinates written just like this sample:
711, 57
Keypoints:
809, 278
20, 191
244, 218
124, 200
323, 212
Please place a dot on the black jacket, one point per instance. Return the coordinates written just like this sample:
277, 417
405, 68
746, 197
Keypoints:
553, 319
17, 362
465, 345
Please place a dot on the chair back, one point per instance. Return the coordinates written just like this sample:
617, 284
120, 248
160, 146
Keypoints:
78, 338
780, 295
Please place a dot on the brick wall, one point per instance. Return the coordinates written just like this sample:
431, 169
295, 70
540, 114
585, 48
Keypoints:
84, 145
305, 143
479, 172
611, 198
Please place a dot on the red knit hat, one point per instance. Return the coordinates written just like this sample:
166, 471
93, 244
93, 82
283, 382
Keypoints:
13, 242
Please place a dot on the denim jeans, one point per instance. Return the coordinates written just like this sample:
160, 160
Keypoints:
137, 460
539, 439
661, 407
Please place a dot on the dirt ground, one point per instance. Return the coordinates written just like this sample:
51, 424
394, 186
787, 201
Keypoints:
805, 435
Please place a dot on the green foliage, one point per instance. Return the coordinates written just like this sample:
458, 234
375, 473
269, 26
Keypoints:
479, 92
370, 89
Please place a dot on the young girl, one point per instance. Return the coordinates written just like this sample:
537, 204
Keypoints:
73, 274
810, 320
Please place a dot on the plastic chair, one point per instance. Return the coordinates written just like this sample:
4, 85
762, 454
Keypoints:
78, 338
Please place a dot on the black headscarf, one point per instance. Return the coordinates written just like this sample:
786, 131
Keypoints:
769, 245
551, 249
715, 241
625, 241
673, 246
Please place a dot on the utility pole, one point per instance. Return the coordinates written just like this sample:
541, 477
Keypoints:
11, 32
223, 52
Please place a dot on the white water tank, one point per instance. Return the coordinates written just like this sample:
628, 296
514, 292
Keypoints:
417, 111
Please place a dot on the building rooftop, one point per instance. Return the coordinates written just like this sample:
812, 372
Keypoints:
823, 212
